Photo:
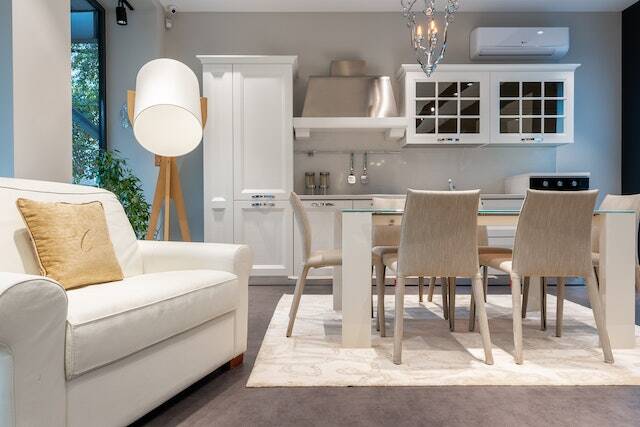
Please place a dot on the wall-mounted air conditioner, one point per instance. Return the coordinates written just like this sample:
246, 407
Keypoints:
526, 43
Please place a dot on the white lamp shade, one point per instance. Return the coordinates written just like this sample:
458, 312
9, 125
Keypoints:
167, 117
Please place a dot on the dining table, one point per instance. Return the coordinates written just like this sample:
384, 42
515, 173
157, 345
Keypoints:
352, 281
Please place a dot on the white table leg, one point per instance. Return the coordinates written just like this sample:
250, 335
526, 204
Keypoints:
336, 284
617, 276
356, 276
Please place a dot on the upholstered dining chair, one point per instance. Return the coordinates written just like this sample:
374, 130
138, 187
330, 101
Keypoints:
310, 259
386, 239
438, 239
552, 240
612, 202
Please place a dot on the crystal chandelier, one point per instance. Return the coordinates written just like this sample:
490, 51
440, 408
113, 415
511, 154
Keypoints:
429, 52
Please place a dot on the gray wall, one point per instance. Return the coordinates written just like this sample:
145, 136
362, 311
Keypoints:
6, 90
382, 40
129, 48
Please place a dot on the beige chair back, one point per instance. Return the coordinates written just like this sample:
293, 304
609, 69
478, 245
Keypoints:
553, 234
387, 235
439, 234
304, 226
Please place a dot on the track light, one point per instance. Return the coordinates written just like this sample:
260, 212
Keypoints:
121, 12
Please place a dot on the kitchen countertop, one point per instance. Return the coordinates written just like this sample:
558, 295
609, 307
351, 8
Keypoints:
370, 196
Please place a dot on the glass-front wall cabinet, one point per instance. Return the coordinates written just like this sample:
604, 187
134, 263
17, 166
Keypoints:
448, 108
532, 107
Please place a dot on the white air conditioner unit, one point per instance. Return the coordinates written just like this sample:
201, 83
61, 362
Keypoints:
496, 43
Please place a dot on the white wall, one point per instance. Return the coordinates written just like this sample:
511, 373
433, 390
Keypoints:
382, 40
41, 92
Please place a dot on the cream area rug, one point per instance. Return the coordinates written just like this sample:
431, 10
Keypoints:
432, 355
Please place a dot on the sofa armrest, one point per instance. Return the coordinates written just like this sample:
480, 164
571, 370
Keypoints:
33, 315
159, 256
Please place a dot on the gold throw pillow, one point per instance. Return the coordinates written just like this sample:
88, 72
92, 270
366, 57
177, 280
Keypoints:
71, 242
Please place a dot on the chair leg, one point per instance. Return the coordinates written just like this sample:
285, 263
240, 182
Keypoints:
420, 288
517, 317
445, 297
543, 303
483, 322
399, 321
297, 294
559, 305
380, 277
432, 288
598, 314
485, 281
472, 311
525, 296
452, 304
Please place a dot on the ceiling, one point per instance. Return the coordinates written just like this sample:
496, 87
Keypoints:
394, 5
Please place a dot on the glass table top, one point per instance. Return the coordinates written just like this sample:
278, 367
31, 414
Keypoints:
491, 212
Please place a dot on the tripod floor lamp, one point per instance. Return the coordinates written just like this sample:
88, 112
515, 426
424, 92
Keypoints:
168, 116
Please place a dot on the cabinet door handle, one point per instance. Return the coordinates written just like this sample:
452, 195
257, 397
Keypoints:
538, 139
262, 204
448, 139
322, 204
328, 204
263, 196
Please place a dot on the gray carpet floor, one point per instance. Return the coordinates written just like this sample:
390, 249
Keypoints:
221, 399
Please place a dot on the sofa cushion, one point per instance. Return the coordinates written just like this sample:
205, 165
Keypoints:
71, 241
17, 250
110, 321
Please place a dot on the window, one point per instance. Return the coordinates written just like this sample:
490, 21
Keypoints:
87, 87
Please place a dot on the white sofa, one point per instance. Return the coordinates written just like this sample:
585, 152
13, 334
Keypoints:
109, 353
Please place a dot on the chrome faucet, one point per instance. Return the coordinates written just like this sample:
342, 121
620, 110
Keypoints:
452, 186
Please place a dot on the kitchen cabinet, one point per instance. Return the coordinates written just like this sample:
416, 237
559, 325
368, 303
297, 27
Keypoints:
447, 108
489, 105
263, 135
267, 227
322, 216
532, 107
248, 156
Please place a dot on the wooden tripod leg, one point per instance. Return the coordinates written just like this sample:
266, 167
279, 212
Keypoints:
157, 204
178, 200
166, 164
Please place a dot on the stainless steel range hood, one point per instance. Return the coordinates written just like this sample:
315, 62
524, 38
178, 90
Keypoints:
349, 92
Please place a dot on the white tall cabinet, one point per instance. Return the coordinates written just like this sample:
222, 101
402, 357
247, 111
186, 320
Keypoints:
248, 156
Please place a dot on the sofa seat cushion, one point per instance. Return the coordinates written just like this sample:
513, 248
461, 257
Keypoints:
110, 321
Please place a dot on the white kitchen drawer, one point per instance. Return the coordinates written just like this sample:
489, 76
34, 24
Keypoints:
362, 204
506, 204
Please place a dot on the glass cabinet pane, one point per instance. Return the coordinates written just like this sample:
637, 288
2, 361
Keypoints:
448, 89
554, 89
425, 125
532, 89
470, 89
448, 125
470, 125
510, 108
531, 108
553, 125
448, 108
554, 107
510, 125
509, 89
425, 108
469, 108
425, 90
531, 125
